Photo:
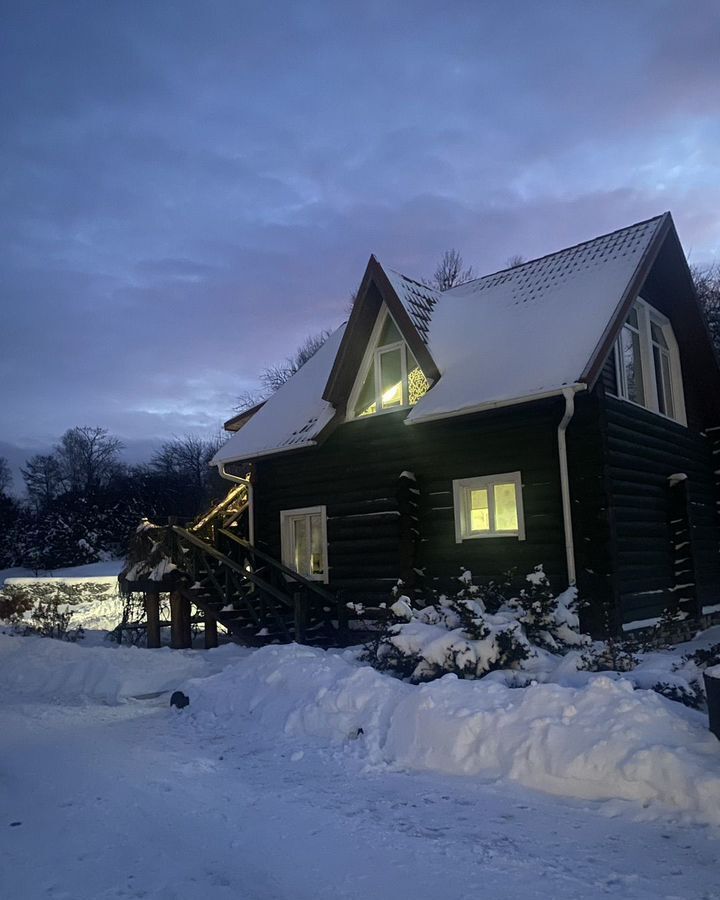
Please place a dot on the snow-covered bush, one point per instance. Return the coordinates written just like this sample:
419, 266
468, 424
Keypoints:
48, 607
475, 630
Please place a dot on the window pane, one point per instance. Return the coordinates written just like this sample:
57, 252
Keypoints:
632, 318
300, 545
667, 386
659, 379
657, 334
479, 511
632, 365
389, 333
366, 404
391, 388
316, 546
417, 382
506, 517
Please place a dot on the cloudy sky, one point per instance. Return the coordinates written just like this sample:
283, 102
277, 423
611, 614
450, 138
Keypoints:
187, 189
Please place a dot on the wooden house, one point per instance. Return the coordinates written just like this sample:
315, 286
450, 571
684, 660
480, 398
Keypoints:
563, 412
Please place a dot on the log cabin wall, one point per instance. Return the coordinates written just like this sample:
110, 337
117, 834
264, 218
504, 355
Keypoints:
642, 450
356, 473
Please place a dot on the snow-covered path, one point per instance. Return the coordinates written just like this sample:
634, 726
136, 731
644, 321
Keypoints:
135, 801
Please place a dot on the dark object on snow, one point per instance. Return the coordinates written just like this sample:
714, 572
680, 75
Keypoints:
712, 689
15, 824
180, 700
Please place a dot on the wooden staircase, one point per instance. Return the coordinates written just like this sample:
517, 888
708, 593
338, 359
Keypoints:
211, 566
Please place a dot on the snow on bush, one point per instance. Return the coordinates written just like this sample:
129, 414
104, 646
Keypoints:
60, 607
602, 741
476, 630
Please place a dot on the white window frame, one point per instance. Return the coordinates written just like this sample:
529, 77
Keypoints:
647, 314
286, 538
461, 497
372, 355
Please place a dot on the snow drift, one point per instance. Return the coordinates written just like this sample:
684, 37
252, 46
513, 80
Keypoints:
602, 741
35, 667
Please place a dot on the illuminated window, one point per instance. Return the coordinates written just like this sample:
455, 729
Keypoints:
647, 363
488, 506
303, 535
391, 376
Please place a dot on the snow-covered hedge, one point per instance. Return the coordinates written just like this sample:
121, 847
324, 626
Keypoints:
60, 607
476, 630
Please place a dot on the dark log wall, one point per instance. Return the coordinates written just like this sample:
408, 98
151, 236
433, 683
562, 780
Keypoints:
591, 515
643, 451
356, 474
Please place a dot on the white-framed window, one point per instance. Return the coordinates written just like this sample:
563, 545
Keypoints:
303, 538
647, 363
488, 506
389, 377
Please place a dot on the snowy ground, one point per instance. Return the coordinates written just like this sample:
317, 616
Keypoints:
261, 789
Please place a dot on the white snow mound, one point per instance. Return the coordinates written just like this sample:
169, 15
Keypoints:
602, 741
41, 668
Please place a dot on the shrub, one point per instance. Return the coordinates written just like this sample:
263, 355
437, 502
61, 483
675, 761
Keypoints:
45, 608
475, 630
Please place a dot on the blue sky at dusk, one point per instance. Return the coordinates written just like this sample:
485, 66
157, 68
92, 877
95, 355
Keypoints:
189, 189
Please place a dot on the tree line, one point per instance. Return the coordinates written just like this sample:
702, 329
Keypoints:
82, 501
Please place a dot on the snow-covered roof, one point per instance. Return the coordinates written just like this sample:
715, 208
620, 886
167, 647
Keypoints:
514, 335
293, 416
418, 299
531, 329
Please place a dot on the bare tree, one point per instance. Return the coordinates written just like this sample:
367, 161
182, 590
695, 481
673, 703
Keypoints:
512, 262
707, 285
88, 459
5, 475
188, 458
450, 272
43, 479
274, 377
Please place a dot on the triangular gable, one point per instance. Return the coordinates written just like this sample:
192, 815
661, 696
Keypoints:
389, 376
375, 290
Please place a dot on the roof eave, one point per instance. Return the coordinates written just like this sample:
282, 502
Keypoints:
576, 386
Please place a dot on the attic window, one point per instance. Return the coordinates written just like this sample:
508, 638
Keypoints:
391, 376
647, 363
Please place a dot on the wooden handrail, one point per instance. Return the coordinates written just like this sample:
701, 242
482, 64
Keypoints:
231, 564
214, 511
265, 557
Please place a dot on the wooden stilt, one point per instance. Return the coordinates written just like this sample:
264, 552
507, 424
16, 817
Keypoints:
152, 612
211, 632
180, 628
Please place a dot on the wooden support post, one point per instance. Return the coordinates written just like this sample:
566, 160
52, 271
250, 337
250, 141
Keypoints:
211, 632
152, 612
300, 616
180, 628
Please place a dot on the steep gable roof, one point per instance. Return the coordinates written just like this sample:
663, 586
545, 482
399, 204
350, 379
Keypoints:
509, 337
293, 417
537, 327
406, 305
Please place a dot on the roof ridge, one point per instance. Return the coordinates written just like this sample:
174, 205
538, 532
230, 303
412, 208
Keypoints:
556, 252
420, 284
